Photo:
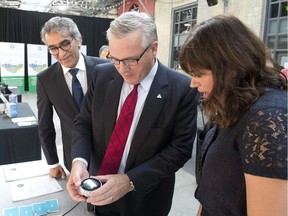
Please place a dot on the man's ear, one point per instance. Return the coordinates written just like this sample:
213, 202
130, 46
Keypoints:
154, 48
79, 42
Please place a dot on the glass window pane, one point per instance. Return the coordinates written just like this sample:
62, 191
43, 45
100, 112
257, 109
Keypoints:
284, 61
184, 15
176, 53
274, 10
176, 40
283, 26
184, 27
271, 42
284, 9
189, 15
176, 30
282, 42
272, 26
194, 13
182, 39
177, 16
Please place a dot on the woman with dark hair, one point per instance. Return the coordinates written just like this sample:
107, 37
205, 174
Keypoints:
244, 157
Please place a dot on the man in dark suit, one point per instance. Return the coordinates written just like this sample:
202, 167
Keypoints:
162, 132
54, 88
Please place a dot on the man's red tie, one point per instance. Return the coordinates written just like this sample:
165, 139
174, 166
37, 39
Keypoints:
116, 145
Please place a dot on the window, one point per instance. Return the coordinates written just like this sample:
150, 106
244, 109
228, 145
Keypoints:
276, 34
183, 20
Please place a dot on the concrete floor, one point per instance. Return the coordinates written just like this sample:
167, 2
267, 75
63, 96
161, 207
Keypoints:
184, 203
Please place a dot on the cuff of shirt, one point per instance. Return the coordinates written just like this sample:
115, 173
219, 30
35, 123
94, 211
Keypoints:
53, 166
82, 160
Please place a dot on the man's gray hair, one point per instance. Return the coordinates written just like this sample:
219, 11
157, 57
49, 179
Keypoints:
62, 25
131, 21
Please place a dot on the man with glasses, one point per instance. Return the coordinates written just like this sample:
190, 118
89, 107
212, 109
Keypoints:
136, 159
57, 89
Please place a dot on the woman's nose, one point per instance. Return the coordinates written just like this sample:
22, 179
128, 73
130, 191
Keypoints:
194, 82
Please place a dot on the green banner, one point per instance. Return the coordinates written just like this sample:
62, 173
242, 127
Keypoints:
37, 56
32, 80
14, 81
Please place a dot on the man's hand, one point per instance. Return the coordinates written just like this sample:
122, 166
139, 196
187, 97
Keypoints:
114, 187
57, 172
78, 173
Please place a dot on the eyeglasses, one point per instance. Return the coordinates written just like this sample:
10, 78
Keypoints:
65, 46
127, 62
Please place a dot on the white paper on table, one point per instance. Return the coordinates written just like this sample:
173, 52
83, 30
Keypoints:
20, 124
33, 187
24, 119
24, 170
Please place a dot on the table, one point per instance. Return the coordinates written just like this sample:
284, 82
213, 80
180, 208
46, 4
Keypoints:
19, 143
13, 90
64, 200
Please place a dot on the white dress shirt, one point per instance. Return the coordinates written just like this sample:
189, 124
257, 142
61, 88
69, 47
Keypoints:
143, 90
81, 75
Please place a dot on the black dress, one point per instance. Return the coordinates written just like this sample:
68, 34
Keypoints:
256, 144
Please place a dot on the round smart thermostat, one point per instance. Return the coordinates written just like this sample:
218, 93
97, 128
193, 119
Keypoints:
88, 185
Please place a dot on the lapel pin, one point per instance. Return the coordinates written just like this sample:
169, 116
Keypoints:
159, 96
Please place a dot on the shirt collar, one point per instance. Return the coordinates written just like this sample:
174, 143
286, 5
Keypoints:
80, 65
147, 81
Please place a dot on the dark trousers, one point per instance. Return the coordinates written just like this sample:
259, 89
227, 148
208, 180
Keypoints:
107, 210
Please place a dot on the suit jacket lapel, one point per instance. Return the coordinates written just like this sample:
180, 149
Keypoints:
111, 102
64, 93
89, 68
152, 107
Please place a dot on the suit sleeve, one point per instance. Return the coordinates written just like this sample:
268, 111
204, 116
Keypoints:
46, 127
82, 127
83, 132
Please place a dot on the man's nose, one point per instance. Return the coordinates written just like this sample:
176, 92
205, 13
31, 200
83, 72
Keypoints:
122, 66
61, 51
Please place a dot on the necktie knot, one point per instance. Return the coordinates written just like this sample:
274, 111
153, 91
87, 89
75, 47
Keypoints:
136, 86
73, 72
134, 90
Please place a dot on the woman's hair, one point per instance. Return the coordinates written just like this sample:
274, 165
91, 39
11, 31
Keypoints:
132, 21
241, 66
103, 48
63, 26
